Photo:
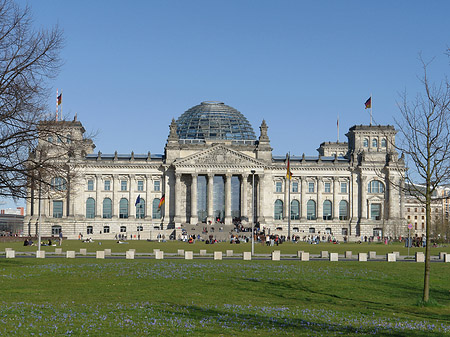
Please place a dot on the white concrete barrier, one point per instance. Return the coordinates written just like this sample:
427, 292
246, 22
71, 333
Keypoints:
447, 258
40, 254
83, 251
305, 256
202, 252
276, 254
334, 257
229, 253
180, 252
159, 255
324, 254
58, 250
217, 255
420, 257
299, 253
397, 255
107, 252
188, 255
7, 249
442, 255
70, 254
362, 257
129, 255
247, 256
348, 254
10, 254
100, 254
372, 255
391, 257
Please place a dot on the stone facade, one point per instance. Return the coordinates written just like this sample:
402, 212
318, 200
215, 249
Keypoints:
225, 180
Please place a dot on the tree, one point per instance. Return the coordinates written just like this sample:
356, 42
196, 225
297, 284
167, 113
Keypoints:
425, 131
28, 59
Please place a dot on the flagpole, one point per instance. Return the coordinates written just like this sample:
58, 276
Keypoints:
371, 104
289, 196
60, 110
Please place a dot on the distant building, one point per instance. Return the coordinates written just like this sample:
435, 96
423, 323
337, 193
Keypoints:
11, 224
17, 211
214, 170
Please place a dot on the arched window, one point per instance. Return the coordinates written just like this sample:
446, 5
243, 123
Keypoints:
123, 229
311, 210
58, 184
156, 214
374, 142
366, 142
327, 210
106, 229
383, 142
278, 210
90, 208
343, 210
375, 186
107, 208
123, 208
295, 210
140, 209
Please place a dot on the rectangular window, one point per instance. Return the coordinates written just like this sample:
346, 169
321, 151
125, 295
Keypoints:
140, 185
89, 230
327, 187
375, 211
278, 187
311, 230
57, 209
107, 185
105, 229
123, 185
311, 187
90, 185
343, 187
157, 185
295, 187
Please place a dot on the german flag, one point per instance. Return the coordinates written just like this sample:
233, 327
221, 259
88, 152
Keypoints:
59, 99
161, 202
368, 103
288, 170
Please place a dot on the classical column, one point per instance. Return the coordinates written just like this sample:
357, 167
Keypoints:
319, 198
286, 199
98, 202
148, 202
335, 198
304, 199
363, 197
228, 218
131, 198
194, 215
177, 198
210, 197
244, 197
115, 201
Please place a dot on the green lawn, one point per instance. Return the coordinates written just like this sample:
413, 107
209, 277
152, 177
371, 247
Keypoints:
118, 297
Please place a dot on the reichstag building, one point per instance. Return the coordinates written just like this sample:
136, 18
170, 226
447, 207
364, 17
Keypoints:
216, 171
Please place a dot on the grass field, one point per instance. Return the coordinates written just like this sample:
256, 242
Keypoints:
173, 246
118, 297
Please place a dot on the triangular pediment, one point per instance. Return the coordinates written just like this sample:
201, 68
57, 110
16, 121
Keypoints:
218, 155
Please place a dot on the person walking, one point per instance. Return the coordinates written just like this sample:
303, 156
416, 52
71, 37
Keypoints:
60, 238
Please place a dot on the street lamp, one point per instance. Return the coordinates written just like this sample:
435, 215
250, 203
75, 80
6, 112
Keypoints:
39, 211
254, 211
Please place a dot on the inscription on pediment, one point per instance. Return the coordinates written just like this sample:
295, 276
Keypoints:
218, 156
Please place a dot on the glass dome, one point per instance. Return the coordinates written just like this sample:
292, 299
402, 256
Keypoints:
214, 120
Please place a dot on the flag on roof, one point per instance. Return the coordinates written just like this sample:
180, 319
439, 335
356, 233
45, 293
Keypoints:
368, 103
288, 170
59, 99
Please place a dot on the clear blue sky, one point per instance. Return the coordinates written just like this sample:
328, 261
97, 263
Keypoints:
132, 66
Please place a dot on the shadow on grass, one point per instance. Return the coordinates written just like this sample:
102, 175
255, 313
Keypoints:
260, 323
